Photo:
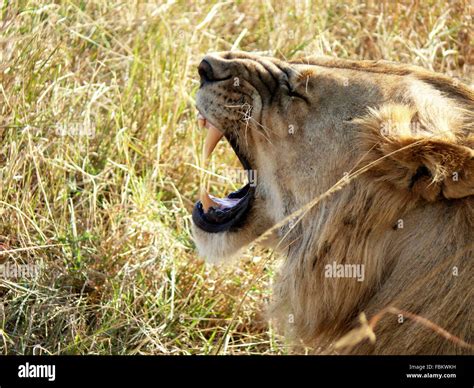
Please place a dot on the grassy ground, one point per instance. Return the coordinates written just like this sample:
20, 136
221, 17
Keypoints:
99, 162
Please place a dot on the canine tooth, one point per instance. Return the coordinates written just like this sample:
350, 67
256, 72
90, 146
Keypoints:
212, 138
201, 121
206, 201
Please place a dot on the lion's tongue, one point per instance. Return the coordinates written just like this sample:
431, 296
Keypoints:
209, 200
212, 138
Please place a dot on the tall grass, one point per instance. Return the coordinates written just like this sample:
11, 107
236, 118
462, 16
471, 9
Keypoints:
99, 161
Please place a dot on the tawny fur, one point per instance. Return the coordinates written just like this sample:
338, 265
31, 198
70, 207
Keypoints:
409, 219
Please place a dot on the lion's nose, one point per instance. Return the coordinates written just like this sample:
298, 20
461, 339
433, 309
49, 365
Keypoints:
205, 71
215, 67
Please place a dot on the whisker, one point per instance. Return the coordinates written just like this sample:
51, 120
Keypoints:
265, 129
247, 118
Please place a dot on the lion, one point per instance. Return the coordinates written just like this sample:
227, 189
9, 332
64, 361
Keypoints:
365, 188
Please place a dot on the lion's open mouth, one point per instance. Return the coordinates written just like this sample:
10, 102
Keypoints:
213, 214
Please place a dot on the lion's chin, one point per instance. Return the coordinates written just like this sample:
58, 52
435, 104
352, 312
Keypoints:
217, 247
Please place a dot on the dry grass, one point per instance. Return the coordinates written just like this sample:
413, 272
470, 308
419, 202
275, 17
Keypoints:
99, 154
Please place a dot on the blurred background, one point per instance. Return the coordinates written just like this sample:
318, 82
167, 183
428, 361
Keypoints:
100, 162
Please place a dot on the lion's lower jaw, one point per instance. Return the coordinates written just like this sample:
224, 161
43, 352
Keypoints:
224, 247
221, 247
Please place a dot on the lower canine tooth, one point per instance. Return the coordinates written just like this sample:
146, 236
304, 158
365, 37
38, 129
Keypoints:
206, 201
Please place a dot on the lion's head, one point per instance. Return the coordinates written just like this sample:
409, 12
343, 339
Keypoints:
393, 145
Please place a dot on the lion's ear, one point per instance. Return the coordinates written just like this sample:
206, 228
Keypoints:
437, 168
410, 157
461, 183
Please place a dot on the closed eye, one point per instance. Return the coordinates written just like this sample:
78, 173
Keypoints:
290, 90
293, 92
